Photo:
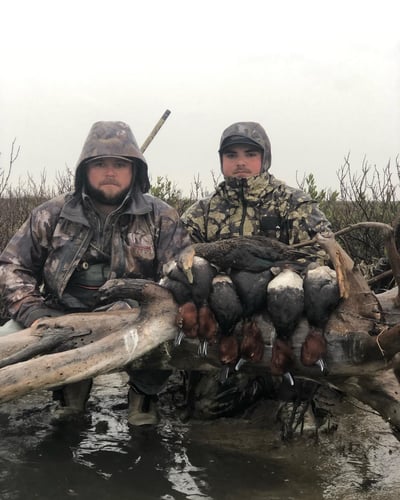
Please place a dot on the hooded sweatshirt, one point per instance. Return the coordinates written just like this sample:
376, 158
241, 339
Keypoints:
256, 205
65, 236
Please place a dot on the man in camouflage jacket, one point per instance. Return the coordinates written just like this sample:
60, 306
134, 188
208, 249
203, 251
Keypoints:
109, 227
258, 203
249, 201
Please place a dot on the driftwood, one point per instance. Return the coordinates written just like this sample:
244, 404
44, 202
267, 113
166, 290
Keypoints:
88, 344
363, 336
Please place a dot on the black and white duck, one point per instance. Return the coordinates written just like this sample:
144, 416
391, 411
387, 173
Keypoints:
321, 297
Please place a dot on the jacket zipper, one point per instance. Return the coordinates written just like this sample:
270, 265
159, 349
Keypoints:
244, 209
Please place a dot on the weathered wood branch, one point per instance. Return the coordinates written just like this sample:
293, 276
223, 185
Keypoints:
101, 343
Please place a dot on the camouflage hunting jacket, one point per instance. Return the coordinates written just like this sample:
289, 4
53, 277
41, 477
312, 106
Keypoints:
252, 206
63, 234
66, 250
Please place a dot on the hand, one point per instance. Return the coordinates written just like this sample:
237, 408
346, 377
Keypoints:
326, 234
121, 288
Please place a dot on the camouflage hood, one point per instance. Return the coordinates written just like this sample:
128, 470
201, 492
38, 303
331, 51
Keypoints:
252, 132
112, 139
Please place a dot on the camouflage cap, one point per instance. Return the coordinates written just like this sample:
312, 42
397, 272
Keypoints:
247, 133
112, 139
237, 139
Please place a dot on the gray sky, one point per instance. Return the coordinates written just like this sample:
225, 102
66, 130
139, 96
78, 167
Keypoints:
322, 77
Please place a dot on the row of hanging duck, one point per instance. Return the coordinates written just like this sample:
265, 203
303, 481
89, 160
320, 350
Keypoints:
230, 287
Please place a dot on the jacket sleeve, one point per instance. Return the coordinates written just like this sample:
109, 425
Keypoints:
304, 217
172, 238
194, 220
21, 264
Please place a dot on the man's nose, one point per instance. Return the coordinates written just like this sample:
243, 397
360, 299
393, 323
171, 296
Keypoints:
109, 168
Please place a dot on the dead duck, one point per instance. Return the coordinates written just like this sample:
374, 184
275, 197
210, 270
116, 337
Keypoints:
199, 282
203, 274
282, 359
285, 305
228, 311
207, 328
314, 349
187, 322
321, 296
285, 301
228, 352
252, 344
251, 253
251, 288
186, 318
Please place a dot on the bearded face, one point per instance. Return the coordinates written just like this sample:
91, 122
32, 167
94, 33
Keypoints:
109, 180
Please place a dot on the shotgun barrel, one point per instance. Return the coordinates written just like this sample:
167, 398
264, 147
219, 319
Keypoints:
156, 128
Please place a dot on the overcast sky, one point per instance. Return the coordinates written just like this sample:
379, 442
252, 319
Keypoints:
322, 77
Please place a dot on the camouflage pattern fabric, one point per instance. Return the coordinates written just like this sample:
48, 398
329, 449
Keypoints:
109, 139
256, 205
253, 206
65, 234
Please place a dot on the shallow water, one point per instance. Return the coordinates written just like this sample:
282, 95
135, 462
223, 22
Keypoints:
102, 458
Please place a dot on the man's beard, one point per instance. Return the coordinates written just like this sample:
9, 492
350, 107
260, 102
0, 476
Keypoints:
100, 197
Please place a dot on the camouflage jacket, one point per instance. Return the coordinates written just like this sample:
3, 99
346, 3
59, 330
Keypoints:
39, 260
47, 268
256, 205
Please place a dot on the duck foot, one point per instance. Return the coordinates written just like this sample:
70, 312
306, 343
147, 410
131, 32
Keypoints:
288, 377
224, 374
203, 348
178, 338
239, 364
322, 365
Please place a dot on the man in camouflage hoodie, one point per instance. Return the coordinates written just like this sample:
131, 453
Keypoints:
249, 201
71, 245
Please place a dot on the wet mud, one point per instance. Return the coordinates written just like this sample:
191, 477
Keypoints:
354, 455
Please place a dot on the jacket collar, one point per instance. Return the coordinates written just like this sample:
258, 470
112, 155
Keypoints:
134, 204
251, 188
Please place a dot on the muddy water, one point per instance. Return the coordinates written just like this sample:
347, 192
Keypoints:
355, 457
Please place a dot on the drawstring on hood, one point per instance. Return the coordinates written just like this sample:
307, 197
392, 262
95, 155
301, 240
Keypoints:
112, 139
247, 133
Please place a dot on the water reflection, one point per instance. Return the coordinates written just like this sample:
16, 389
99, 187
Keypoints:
184, 477
102, 458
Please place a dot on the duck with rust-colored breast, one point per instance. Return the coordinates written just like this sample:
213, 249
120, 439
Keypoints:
285, 304
228, 311
191, 290
251, 288
321, 297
